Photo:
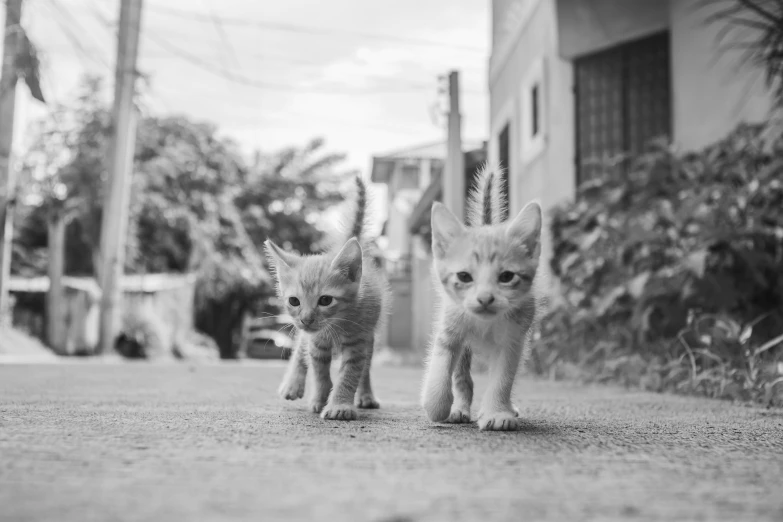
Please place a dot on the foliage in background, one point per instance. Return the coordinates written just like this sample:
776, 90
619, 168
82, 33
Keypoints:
196, 204
755, 29
671, 272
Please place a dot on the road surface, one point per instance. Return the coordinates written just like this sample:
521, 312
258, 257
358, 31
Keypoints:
137, 442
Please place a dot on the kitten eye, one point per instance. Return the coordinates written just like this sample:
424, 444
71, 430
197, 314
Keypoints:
506, 277
293, 301
325, 300
464, 277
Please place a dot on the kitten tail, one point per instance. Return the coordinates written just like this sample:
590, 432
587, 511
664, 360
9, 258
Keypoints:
360, 216
485, 201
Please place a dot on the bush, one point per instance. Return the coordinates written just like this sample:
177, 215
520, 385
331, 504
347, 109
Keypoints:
226, 289
671, 272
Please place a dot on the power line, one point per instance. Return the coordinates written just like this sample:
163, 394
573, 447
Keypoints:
227, 47
278, 26
73, 37
243, 80
219, 70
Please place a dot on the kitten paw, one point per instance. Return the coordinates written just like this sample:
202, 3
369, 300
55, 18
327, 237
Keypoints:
516, 410
501, 421
458, 417
292, 390
344, 412
367, 402
438, 406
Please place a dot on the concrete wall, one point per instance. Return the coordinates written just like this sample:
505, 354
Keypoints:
713, 91
400, 320
587, 26
423, 297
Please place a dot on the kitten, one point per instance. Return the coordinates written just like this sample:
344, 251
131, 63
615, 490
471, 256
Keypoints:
490, 299
337, 300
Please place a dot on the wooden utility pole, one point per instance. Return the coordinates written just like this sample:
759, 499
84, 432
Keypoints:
115, 207
454, 176
12, 40
57, 221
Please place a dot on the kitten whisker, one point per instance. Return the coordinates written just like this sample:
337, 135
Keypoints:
346, 320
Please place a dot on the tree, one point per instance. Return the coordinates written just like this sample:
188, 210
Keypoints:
288, 191
754, 27
196, 204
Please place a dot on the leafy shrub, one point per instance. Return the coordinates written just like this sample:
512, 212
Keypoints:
671, 271
226, 289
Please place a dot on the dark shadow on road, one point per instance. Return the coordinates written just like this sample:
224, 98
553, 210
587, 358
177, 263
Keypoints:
526, 428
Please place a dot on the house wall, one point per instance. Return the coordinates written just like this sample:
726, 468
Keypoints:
713, 91
397, 226
588, 26
400, 320
548, 175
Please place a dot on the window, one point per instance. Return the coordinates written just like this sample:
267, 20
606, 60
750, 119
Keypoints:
623, 100
533, 112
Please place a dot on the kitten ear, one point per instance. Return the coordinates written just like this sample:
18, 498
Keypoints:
526, 227
349, 260
445, 228
282, 261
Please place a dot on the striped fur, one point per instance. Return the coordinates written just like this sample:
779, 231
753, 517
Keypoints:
490, 286
347, 325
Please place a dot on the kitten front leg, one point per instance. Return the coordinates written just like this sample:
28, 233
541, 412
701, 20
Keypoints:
365, 398
293, 384
320, 363
463, 390
437, 395
352, 362
497, 412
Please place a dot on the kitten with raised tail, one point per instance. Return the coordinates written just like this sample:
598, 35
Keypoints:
490, 298
337, 300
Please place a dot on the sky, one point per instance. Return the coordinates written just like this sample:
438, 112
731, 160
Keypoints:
363, 74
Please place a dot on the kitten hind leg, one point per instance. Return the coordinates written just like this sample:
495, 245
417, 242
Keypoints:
497, 412
463, 390
352, 362
293, 385
365, 398
437, 396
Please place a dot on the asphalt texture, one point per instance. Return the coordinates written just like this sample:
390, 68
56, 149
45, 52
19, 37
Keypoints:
172, 443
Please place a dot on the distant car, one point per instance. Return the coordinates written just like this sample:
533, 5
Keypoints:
267, 338
270, 344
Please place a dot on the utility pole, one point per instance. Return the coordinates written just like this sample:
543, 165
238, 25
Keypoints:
454, 175
12, 41
123, 144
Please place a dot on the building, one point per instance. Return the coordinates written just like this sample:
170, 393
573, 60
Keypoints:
574, 81
413, 180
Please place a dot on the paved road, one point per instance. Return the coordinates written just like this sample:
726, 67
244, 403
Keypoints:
174, 443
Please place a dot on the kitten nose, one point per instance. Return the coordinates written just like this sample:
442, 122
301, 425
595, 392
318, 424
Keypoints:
486, 300
307, 320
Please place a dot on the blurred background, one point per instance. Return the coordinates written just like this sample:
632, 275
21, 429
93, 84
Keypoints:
147, 149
